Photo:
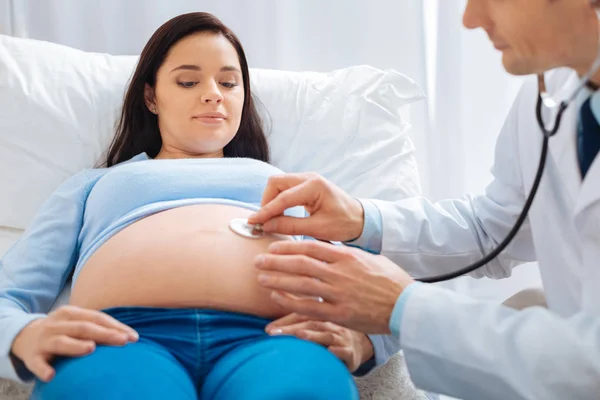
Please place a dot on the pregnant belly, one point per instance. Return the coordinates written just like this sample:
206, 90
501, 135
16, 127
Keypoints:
183, 257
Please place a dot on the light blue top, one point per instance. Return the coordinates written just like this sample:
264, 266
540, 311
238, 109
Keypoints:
92, 206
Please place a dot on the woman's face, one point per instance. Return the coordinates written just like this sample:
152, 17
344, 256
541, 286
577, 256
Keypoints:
198, 97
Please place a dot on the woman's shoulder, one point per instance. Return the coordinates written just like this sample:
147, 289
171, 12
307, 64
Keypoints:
78, 185
82, 178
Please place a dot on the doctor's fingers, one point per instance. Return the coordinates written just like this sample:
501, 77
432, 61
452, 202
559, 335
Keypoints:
280, 183
309, 307
298, 285
295, 264
294, 226
313, 249
287, 192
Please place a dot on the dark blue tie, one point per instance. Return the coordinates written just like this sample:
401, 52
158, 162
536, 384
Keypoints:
588, 137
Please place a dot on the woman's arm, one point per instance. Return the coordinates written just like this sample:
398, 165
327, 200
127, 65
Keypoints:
35, 268
384, 347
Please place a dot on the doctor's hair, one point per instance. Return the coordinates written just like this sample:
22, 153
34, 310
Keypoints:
137, 129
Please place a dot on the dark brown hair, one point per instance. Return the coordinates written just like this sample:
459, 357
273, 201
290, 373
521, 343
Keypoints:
137, 130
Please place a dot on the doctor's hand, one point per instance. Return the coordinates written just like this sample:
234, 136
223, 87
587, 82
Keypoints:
334, 215
352, 347
359, 290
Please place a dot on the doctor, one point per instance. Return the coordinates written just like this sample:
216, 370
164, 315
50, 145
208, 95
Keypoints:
454, 344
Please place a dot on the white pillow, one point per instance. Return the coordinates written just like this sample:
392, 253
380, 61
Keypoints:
58, 108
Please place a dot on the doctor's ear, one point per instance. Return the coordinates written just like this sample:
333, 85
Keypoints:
149, 99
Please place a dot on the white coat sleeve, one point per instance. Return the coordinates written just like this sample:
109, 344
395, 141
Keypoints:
427, 238
470, 349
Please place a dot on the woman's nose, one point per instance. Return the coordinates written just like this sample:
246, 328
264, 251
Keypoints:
212, 94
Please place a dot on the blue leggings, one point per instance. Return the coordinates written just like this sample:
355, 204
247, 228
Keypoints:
200, 354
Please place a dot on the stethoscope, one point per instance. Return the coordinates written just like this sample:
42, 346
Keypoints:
241, 227
557, 108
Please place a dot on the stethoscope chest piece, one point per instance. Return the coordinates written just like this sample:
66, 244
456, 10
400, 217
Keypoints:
241, 227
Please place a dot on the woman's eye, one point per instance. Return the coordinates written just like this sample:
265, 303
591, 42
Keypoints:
187, 84
229, 84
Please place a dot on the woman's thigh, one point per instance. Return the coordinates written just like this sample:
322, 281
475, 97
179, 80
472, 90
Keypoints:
140, 370
279, 367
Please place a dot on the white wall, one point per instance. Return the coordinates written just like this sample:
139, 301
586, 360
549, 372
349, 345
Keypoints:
473, 95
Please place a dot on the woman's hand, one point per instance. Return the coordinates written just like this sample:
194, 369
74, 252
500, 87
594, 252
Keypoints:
334, 215
69, 331
353, 348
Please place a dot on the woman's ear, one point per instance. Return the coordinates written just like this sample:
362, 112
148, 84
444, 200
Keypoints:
149, 99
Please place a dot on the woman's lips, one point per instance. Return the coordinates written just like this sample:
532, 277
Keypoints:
210, 120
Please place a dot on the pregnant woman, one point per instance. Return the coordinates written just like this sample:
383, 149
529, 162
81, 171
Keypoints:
165, 302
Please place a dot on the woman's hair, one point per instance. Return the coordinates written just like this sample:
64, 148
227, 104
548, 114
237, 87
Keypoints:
137, 130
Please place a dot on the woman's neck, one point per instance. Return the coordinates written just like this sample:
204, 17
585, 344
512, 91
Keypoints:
166, 153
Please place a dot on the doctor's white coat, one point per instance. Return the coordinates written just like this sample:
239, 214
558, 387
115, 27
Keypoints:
475, 350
